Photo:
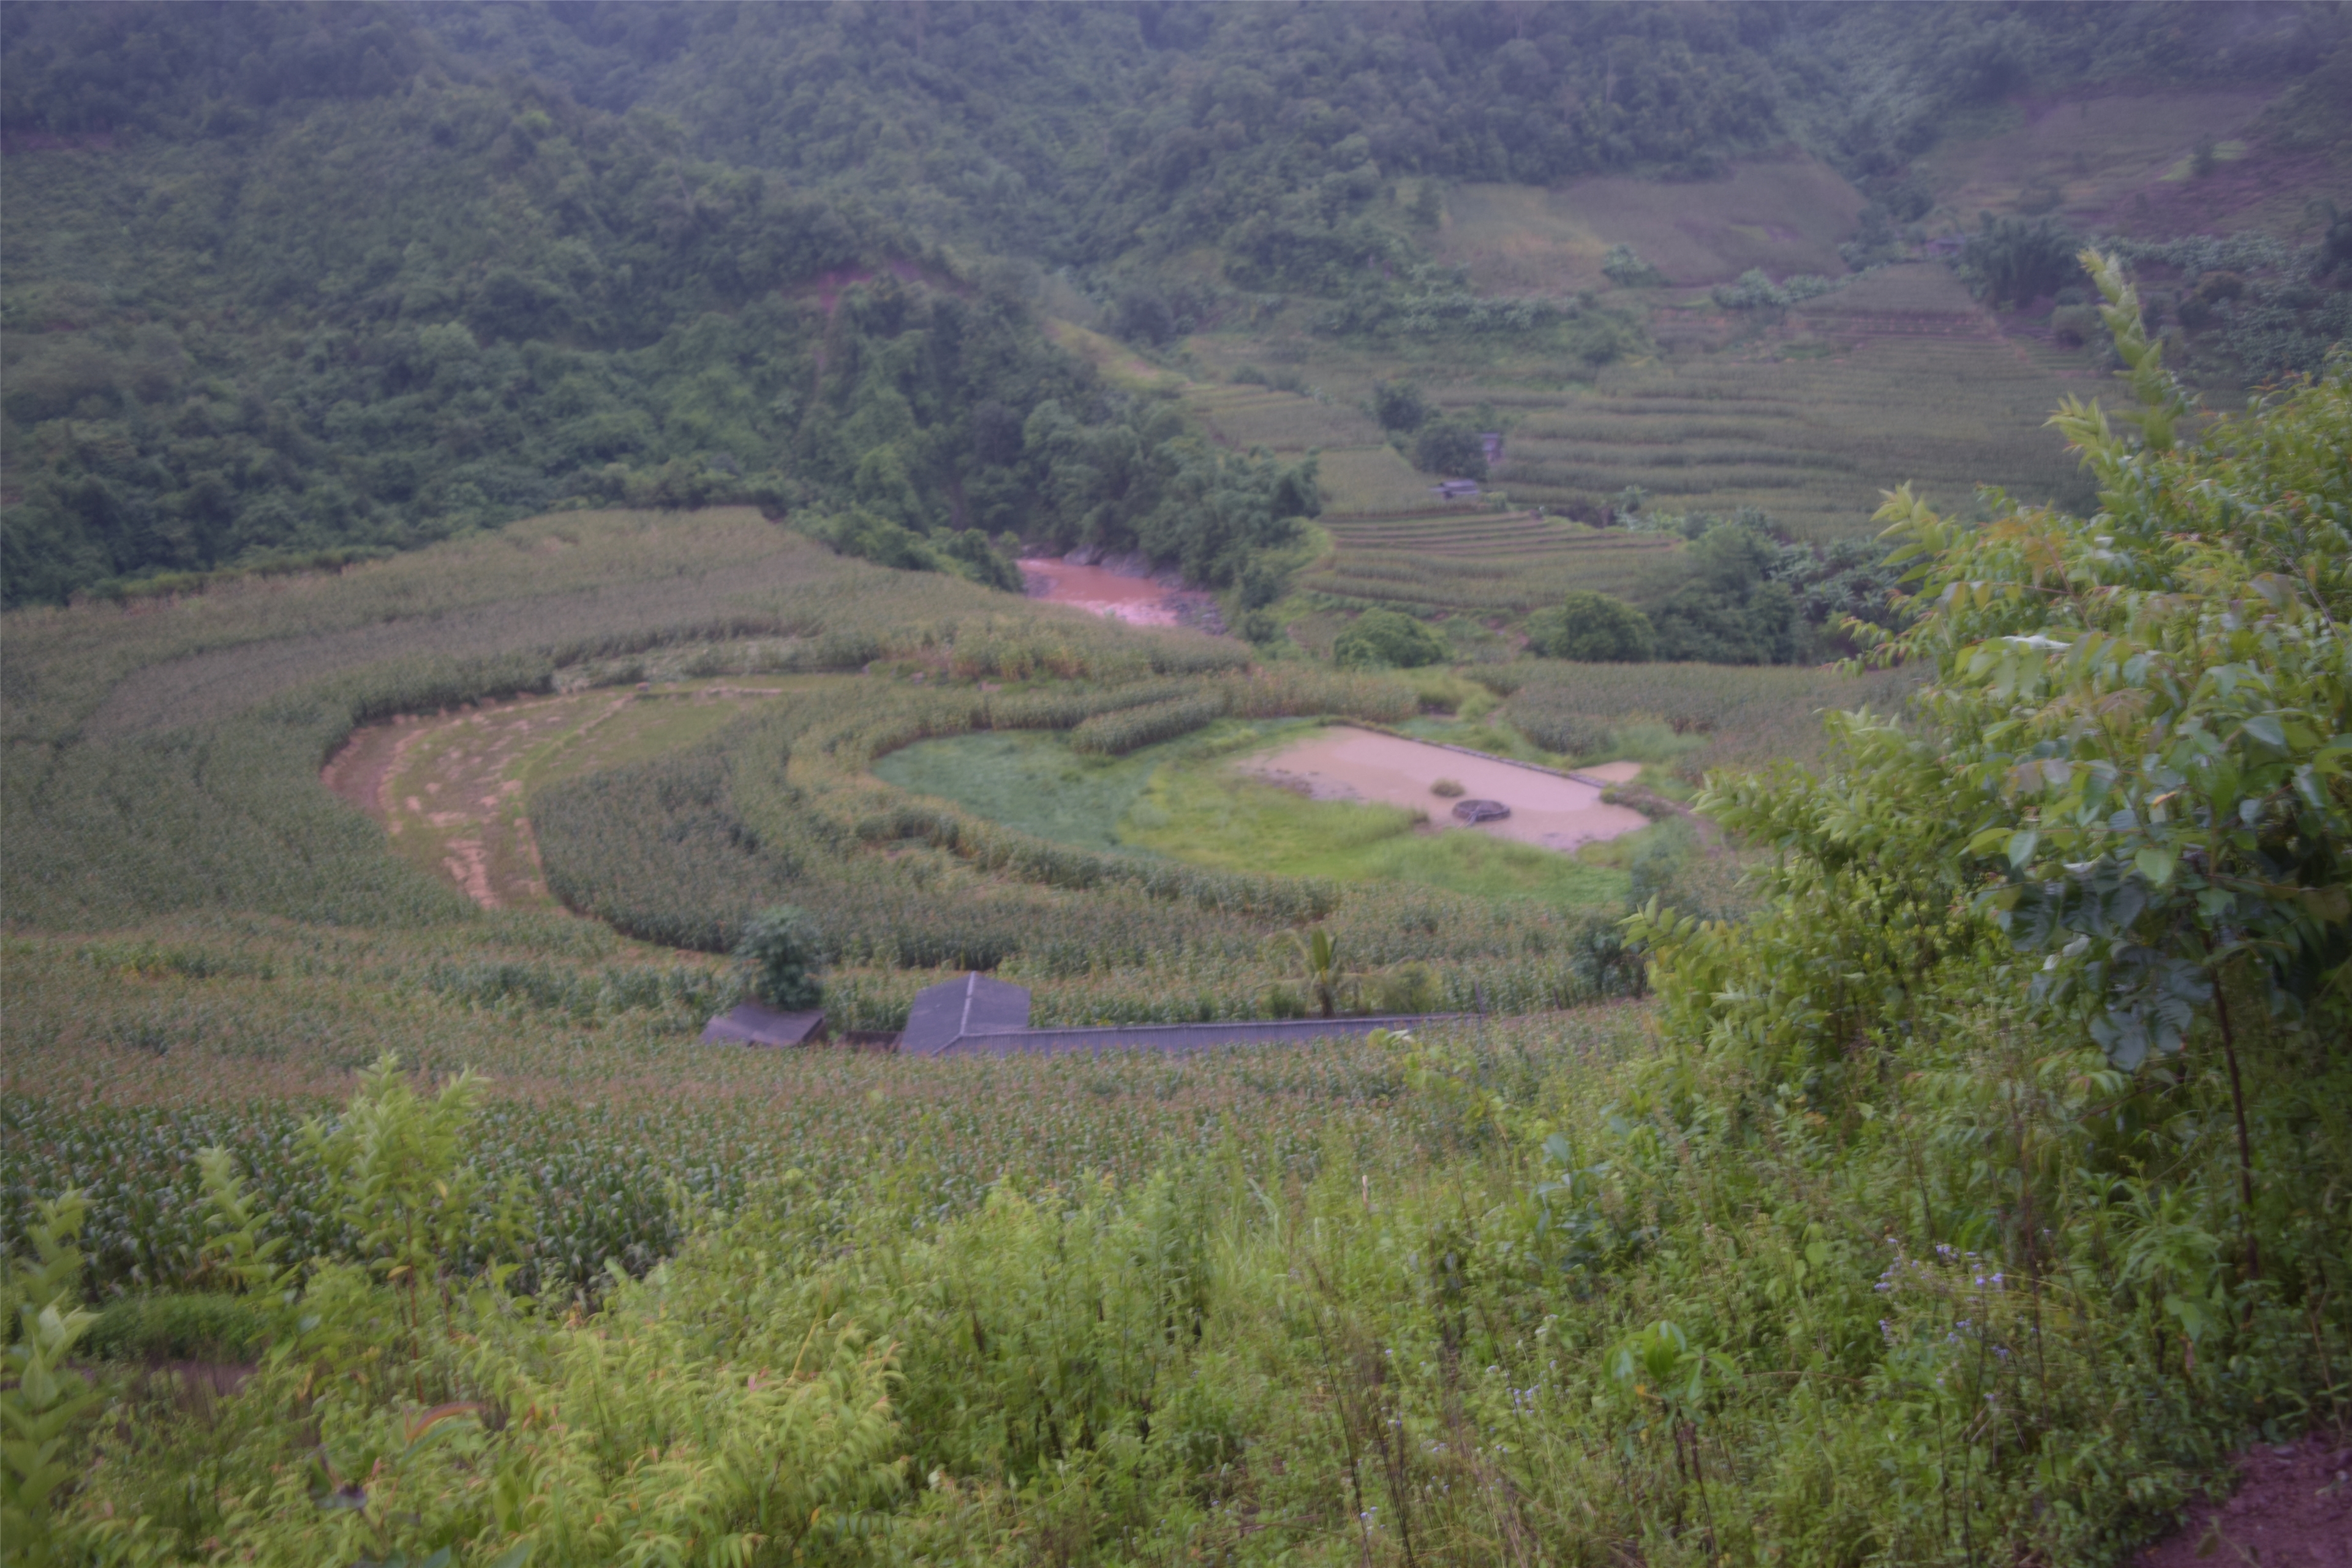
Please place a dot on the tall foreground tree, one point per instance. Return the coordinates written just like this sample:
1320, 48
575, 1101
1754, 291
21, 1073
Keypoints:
2134, 801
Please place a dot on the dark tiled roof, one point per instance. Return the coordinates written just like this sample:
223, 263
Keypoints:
753, 1024
945, 1013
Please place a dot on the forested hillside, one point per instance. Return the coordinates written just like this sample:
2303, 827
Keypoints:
1093, 134
292, 281
376, 316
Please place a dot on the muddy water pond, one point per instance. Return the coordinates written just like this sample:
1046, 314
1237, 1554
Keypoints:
1139, 601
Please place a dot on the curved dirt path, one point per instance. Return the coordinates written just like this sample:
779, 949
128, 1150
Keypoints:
452, 788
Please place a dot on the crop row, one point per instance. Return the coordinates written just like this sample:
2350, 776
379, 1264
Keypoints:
168, 759
615, 1175
1509, 587
782, 809
1128, 729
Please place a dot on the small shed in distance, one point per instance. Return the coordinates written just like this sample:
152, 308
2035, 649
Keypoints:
754, 1025
948, 1012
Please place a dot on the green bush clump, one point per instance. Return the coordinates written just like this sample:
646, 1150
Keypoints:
1387, 639
2015, 261
1400, 407
1624, 267
781, 956
1594, 629
1449, 448
1757, 291
179, 1328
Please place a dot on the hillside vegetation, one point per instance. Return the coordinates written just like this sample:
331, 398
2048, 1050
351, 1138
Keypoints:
293, 282
373, 325
1970, 1198
510, 525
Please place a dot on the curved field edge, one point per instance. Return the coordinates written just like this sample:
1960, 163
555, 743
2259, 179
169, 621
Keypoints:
1185, 799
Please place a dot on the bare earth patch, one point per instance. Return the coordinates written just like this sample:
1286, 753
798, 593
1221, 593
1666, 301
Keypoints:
2293, 1509
1548, 809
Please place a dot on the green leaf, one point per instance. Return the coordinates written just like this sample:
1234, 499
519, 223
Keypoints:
2020, 846
2333, 904
2155, 863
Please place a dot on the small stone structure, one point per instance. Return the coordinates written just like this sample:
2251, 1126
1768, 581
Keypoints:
1480, 811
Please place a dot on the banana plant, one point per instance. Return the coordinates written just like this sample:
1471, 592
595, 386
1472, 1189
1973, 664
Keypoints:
1319, 955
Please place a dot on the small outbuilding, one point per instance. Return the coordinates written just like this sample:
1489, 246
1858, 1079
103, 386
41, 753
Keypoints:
955, 1009
754, 1025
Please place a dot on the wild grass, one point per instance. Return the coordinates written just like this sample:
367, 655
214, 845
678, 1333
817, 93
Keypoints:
1027, 780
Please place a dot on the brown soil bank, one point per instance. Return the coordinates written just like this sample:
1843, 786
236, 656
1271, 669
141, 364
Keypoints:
2293, 1509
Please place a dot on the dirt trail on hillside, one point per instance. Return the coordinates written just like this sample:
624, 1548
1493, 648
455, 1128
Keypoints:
448, 787
443, 779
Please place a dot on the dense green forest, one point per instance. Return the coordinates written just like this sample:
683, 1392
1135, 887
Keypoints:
297, 282
439, 305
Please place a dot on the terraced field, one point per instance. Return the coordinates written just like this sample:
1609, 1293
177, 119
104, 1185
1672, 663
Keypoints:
1900, 375
1287, 422
1476, 560
1394, 545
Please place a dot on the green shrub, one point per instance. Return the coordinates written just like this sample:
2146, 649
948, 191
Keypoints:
780, 958
1594, 629
1400, 407
2075, 325
179, 1328
1452, 448
1386, 640
1624, 267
